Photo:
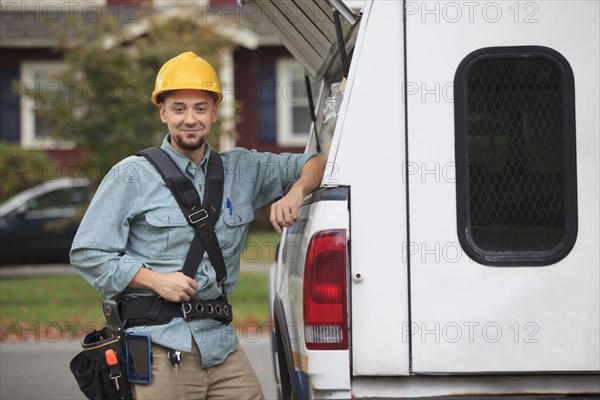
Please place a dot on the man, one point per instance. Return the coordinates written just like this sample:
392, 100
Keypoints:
134, 238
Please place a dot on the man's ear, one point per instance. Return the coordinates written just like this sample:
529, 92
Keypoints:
163, 112
215, 113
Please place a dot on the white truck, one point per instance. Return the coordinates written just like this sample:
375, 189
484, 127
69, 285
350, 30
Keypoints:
453, 248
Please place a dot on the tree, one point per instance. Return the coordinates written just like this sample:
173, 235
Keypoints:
105, 107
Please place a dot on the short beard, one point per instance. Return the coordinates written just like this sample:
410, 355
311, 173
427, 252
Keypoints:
189, 147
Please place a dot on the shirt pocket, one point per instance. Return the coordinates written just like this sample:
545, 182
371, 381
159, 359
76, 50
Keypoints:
236, 220
169, 235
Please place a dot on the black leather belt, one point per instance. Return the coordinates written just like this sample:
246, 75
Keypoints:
157, 311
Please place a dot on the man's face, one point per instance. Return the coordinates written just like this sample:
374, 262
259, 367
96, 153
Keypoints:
189, 115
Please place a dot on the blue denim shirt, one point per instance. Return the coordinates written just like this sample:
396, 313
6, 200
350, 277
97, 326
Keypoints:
134, 221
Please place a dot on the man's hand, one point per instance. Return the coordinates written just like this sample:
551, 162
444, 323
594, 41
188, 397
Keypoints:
174, 286
284, 212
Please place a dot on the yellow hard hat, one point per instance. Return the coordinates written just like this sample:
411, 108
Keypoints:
187, 71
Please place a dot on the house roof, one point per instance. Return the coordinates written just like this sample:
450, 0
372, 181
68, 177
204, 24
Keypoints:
25, 29
38, 25
37, 28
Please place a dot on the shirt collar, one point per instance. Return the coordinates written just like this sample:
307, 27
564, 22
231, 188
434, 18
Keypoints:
182, 162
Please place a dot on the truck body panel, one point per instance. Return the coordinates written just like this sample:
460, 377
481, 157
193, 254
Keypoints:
440, 301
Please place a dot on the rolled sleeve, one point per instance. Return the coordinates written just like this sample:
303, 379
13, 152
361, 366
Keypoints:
268, 176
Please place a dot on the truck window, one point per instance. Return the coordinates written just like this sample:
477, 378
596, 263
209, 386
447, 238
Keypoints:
515, 155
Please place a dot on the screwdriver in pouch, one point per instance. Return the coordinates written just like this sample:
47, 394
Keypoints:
111, 357
111, 360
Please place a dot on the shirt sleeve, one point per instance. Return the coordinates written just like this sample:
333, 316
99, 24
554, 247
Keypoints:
275, 175
98, 251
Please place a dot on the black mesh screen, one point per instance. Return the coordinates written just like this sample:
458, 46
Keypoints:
515, 154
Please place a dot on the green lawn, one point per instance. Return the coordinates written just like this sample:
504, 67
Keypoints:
260, 247
64, 307
249, 300
44, 308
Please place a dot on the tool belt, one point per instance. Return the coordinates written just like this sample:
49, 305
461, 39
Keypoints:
100, 369
153, 310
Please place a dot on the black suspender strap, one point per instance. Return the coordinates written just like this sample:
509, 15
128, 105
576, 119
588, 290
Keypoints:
202, 215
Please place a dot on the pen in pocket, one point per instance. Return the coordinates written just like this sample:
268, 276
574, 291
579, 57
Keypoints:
228, 204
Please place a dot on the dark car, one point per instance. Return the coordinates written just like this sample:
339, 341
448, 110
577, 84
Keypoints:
37, 226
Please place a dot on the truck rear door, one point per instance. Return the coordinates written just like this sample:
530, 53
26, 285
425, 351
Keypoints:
502, 119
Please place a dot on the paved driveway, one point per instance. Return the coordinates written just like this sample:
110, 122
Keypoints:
41, 370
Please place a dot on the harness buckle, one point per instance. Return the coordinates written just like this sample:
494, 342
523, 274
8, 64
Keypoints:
186, 308
198, 216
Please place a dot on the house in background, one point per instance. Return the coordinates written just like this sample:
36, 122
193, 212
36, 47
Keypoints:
263, 85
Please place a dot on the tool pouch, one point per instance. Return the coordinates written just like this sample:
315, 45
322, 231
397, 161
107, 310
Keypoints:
100, 369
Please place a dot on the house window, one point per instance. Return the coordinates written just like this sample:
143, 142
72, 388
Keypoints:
38, 87
515, 149
293, 115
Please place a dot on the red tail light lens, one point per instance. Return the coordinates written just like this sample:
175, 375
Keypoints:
325, 315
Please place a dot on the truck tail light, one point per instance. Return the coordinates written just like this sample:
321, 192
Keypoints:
325, 315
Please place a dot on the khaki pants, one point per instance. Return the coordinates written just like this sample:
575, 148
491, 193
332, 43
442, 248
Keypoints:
233, 379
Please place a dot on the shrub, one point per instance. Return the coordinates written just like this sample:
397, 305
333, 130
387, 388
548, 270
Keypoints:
20, 169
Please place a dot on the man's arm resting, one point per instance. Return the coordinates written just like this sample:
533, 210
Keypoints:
284, 212
174, 286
